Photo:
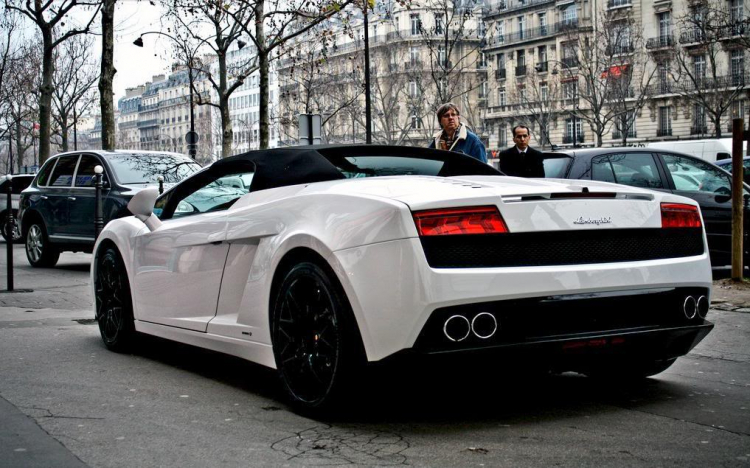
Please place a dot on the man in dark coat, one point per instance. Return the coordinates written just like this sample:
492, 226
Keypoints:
454, 135
521, 160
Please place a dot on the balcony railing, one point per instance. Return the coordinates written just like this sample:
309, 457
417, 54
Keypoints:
698, 130
660, 132
500, 74
664, 87
504, 6
569, 62
618, 49
541, 67
692, 36
568, 139
733, 30
619, 3
520, 70
659, 42
617, 134
533, 33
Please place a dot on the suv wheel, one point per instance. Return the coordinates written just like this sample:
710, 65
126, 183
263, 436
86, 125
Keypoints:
40, 252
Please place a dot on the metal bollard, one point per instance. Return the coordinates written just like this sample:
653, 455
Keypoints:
9, 226
98, 216
161, 184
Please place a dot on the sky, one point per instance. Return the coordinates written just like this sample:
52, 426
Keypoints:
136, 65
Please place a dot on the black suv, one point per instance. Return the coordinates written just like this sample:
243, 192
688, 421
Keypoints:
57, 210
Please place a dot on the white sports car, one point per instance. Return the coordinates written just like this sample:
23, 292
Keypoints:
315, 261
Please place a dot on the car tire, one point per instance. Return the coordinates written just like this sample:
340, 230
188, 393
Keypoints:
39, 250
316, 344
114, 306
629, 371
16, 228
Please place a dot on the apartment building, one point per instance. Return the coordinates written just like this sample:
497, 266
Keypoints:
128, 135
608, 72
420, 57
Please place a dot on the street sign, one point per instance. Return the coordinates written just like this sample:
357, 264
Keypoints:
310, 129
191, 138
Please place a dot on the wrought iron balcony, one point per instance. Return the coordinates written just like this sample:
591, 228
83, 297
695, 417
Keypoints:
660, 132
569, 62
664, 87
568, 139
500, 74
698, 130
619, 3
692, 36
541, 67
618, 49
520, 70
660, 42
617, 134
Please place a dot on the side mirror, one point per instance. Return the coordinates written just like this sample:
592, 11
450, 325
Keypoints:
142, 207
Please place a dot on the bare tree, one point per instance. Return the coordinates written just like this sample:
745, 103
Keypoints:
21, 97
50, 18
74, 76
605, 71
275, 23
538, 98
706, 82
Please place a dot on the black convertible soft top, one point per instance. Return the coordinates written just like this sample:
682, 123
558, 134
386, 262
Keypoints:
305, 164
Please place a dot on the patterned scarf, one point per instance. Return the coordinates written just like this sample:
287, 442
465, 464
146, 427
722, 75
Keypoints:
446, 141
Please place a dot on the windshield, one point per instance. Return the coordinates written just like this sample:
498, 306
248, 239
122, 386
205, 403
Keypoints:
146, 168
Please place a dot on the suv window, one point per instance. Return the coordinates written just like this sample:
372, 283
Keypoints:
634, 169
85, 176
62, 176
43, 176
692, 175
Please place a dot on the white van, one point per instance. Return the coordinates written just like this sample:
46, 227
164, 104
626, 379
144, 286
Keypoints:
710, 150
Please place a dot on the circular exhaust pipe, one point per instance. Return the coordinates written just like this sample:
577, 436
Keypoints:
702, 307
689, 307
457, 328
484, 325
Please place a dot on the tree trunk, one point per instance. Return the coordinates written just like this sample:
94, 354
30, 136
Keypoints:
64, 131
260, 36
106, 97
717, 127
227, 133
19, 150
45, 95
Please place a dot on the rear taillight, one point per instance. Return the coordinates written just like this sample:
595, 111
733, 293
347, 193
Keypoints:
679, 215
474, 220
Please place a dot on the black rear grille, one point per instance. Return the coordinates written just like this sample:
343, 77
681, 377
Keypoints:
561, 247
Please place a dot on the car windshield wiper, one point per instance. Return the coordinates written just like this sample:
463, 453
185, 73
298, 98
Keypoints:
134, 183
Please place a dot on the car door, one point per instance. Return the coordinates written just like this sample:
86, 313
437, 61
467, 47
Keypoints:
82, 199
54, 199
179, 266
711, 188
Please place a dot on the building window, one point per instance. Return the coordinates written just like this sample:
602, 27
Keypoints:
500, 31
501, 97
736, 12
483, 90
544, 92
699, 120
413, 90
439, 23
738, 109
543, 24
416, 25
570, 91
414, 55
625, 126
570, 15
501, 61
415, 121
442, 60
665, 28
521, 26
573, 131
738, 67
699, 67
502, 135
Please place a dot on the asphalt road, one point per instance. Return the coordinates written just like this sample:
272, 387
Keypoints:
67, 401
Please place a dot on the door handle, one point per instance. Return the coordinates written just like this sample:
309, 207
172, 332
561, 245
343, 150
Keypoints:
44, 197
72, 198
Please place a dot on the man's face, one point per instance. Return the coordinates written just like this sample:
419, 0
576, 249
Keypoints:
521, 138
450, 121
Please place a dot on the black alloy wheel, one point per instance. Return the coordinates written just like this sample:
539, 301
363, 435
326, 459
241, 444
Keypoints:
114, 310
314, 338
39, 251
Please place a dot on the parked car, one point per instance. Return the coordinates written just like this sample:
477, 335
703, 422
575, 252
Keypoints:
710, 150
18, 183
665, 171
57, 210
726, 164
334, 257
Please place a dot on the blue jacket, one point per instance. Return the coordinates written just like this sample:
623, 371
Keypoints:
466, 142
